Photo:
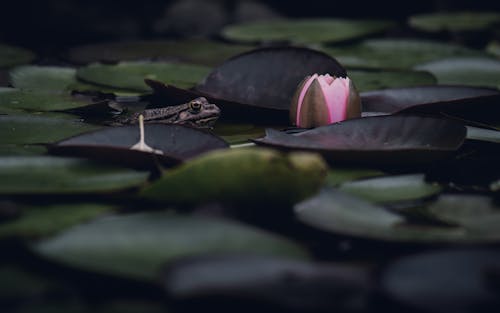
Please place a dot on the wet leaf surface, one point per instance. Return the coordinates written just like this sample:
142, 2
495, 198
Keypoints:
131, 75
304, 31
376, 140
454, 21
138, 245
178, 144
53, 175
42, 78
372, 80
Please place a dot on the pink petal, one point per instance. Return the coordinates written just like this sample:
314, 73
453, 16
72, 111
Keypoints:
329, 79
302, 94
337, 97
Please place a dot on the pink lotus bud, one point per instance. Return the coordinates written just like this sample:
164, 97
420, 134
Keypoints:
323, 99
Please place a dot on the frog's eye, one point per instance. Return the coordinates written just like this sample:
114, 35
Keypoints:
195, 106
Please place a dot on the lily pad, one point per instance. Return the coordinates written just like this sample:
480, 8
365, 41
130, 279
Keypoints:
494, 48
27, 129
338, 175
138, 245
399, 53
454, 21
456, 280
381, 140
342, 214
176, 142
372, 80
131, 75
254, 279
243, 177
54, 175
471, 103
11, 149
42, 78
482, 134
389, 189
305, 30
465, 71
44, 221
12, 56
16, 99
266, 77
197, 51
238, 133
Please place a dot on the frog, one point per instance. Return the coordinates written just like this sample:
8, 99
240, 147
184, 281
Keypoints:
197, 113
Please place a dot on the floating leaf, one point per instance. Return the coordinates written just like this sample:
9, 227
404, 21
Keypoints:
465, 71
12, 56
339, 175
243, 176
42, 78
138, 245
238, 133
454, 21
12, 149
27, 129
383, 140
371, 80
494, 48
131, 75
250, 279
198, 51
53, 175
444, 281
177, 142
399, 53
43, 221
482, 134
392, 188
305, 30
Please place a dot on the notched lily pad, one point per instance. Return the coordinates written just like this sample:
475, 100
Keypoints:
382, 140
138, 245
305, 30
176, 142
131, 75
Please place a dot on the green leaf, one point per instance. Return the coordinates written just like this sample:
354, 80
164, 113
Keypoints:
465, 71
241, 176
138, 245
395, 53
482, 134
454, 21
13, 99
12, 149
392, 188
238, 133
305, 30
54, 175
372, 80
12, 56
494, 48
42, 78
338, 175
43, 221
131, 75
29, 129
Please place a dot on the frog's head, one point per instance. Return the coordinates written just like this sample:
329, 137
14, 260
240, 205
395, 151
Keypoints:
200, 113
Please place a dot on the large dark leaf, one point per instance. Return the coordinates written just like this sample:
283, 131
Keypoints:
177, 142
376, 140
446, 281
258, 280
137, 245
467, 102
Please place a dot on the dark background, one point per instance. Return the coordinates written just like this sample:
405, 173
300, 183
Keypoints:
50, 24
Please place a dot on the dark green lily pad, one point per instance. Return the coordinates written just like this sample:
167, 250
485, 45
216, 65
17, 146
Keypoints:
55, 175
131, 75
399, 53
392, 188
138, 245
16, 99
244, 177
338, 175
43, 221
456, 280
465, 71
305, 30
12, 149
454, 21
197, 51
42, 78
382, 140
250, 280
29, 129
12, 56
372, 80
469, 103
178, 143
342, 214
494, 48
238, 133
